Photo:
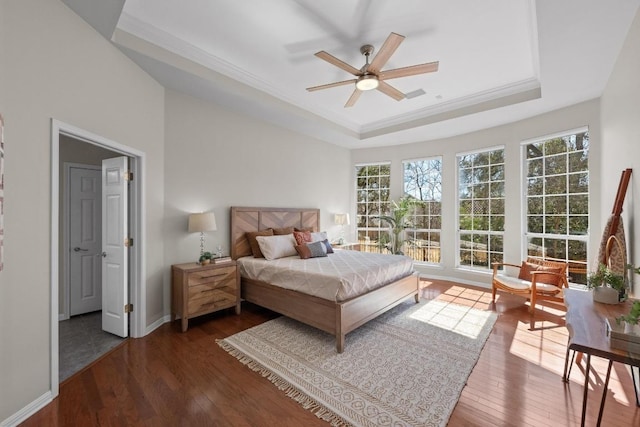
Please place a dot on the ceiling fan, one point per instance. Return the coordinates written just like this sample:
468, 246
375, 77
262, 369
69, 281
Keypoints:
370, 76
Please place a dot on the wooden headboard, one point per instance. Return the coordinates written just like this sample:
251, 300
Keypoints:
256, 219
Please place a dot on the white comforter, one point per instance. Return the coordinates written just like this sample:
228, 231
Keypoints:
337, 277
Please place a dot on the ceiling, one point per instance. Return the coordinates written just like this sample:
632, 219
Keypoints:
499, 60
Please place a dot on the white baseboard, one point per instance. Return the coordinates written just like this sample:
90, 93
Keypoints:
155, 325
27, 411
485, 285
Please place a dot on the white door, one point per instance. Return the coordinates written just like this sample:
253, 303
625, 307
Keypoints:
85, 267
114, 251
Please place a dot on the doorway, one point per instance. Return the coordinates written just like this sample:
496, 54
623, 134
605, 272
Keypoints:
72, 146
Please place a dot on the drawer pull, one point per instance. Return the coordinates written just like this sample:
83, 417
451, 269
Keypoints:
204, 276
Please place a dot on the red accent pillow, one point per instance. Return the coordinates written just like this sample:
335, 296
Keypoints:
302, 237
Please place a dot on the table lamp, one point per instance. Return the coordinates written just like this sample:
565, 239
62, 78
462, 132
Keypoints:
341, 219
201, 222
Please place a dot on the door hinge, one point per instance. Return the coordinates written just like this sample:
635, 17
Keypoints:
128, 308
128, 176
128, 242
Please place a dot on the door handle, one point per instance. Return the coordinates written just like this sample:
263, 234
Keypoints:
104, 254
77, 249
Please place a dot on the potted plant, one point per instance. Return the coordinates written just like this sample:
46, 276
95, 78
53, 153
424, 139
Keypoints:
608, 287
205, 258
631, 319
397, 222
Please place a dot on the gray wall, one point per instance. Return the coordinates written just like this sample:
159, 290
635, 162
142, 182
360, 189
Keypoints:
620, 108
215, 159
54, 65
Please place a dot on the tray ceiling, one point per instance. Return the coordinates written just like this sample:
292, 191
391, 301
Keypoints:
500, 60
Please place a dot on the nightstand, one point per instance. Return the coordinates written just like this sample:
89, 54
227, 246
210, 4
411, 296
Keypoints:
347, 246
198, 289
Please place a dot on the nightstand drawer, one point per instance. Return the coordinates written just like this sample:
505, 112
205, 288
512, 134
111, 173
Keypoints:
208, 297
217, 275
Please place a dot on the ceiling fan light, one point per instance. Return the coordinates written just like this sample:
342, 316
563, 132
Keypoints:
367, 82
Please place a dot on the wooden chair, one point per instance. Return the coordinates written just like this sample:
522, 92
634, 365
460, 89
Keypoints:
538, 279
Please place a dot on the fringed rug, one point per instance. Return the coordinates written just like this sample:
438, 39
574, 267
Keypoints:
404, 368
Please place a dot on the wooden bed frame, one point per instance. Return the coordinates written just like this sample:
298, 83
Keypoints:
336, 318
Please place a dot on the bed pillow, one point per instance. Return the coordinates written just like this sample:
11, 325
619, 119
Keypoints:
274, 247
525, 273
281, 231
319, 236
251, 237
302, 237
328, 246
312, 250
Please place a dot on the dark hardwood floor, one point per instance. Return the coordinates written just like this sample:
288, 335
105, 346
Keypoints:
169, 378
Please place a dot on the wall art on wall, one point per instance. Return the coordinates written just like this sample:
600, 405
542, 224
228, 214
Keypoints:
1, 192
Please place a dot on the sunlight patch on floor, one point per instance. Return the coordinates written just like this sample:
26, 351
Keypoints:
460, 319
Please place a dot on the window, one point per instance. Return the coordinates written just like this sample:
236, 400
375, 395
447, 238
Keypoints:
557, 200
372, 200
480, 208
423, 181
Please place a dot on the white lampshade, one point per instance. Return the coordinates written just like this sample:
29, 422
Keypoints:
342, 219
199, 222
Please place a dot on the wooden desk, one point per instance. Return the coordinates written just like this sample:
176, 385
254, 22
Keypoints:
588, 335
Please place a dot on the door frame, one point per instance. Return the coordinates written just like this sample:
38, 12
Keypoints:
66, 286
137, 270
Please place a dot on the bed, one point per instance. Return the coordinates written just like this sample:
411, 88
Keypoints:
335, 317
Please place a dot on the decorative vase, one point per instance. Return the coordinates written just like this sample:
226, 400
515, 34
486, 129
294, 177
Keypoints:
205, 261
606, 295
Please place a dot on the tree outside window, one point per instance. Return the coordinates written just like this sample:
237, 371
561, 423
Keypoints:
557, 200
423, 182
373, 183
481, 208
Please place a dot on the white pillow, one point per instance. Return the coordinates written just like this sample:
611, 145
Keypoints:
274, 247
319, 237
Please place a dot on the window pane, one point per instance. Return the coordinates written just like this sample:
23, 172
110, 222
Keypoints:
535, 186
579, 183
535, 167
535, 224
535, 205
555, 165
556, 185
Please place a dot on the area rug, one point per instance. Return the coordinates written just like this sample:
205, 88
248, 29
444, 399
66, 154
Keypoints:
405, 368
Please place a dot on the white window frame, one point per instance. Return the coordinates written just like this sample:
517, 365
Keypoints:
427, 230
459, 265
524, 208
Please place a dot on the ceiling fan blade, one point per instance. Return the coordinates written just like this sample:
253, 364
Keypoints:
412, 70
329, 85
390, 45
338, 63
387, 89
353, 98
